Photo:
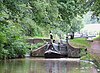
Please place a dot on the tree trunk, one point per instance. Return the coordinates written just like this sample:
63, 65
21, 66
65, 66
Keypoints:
72, 35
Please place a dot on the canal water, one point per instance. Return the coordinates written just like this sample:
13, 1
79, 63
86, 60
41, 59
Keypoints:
41, 65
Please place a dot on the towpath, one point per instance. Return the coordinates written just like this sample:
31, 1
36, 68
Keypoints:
95, 48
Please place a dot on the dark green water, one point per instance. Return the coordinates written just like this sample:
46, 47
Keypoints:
40, 65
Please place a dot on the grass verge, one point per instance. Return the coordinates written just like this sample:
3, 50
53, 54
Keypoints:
79, 43
97, 38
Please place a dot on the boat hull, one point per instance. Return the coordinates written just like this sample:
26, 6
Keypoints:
52, 51
52, 55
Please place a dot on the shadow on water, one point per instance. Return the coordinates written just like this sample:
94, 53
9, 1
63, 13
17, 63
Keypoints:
40, 65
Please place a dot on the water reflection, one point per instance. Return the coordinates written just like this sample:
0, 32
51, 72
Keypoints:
45, 66
60, 66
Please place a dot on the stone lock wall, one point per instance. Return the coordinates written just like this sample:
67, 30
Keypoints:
73, 52
34, 41
38, 52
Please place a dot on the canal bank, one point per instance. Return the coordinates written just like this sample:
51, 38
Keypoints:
93, 50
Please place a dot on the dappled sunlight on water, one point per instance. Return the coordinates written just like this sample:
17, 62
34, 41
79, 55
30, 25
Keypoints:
41, 65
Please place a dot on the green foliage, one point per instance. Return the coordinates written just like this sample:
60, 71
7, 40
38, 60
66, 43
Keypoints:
85, 56
89, 18
12, 43
16, 22
70, 10
96, 60
76, 24
95, 7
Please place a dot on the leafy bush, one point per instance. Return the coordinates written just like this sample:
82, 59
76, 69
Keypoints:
12, 40
96, 59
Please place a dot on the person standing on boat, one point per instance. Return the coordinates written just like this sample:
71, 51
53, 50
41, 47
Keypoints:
66, 39
51, 35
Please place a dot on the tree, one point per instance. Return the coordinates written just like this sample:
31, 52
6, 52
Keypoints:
12, 41
68, 10
94, 7
76, 25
